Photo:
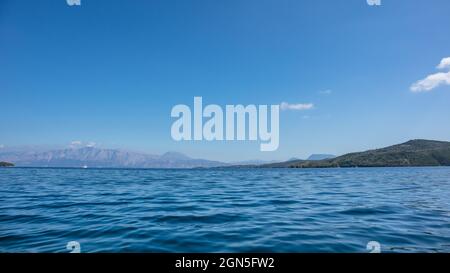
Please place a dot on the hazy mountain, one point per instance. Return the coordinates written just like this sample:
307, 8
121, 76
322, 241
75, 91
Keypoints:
174, 156
320, 157
293, 158
412, 153
102, 158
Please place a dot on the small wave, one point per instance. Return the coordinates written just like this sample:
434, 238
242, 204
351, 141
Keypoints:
204, 219
366, 211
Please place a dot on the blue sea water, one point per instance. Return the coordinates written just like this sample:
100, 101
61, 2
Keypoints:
233, 210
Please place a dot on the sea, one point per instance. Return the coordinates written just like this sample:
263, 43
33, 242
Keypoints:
225, 210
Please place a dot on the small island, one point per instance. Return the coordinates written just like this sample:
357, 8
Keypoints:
6, 164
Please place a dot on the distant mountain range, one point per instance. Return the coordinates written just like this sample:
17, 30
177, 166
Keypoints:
410, 154
92, 157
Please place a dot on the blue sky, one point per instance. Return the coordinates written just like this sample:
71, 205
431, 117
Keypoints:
109, 72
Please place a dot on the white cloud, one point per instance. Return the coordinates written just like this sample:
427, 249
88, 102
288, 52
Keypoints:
434, 80
78, 144
296, 107
2, 146
444, 63
75, 144
91, 144
431, 82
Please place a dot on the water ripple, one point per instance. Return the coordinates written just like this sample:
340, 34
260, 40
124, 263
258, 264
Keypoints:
234, 210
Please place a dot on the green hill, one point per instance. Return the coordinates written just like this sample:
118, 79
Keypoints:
6, 164
413, 153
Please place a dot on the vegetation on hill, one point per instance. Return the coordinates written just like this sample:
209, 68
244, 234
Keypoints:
413, 153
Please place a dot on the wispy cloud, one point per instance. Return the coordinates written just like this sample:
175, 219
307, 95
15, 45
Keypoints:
444, 63
91, 144
79, 143
75, 144
296, 107
431, 82
434, 80
2, 146
326, 92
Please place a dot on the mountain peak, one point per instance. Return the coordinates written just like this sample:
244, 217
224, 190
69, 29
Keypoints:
424, 141
175, 156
